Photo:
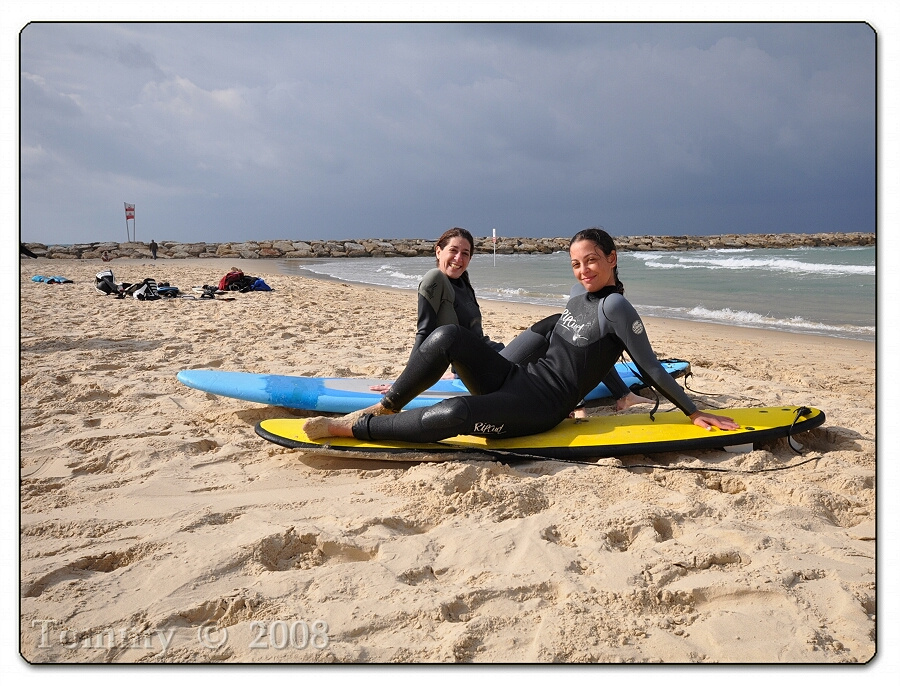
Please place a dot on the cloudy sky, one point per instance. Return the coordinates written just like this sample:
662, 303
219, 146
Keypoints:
347, 130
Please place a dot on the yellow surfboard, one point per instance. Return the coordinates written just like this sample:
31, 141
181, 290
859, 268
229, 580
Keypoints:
578, 439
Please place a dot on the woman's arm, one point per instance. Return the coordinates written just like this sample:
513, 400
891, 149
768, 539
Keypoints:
435, 305
630, 329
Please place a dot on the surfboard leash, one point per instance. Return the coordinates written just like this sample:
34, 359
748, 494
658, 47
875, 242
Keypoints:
638, 372
676, 468
670, 468
801, 411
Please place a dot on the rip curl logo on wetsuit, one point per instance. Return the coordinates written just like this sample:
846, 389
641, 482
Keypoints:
570, 323
485, 428
638, 327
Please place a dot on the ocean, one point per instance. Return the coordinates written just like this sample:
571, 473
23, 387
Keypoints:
823, 291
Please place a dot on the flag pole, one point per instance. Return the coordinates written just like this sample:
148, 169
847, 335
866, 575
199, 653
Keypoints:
494, 231
129, 210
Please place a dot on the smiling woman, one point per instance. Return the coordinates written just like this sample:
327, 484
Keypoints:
446, 295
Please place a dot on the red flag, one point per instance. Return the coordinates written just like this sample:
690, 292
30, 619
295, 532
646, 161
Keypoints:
129, 211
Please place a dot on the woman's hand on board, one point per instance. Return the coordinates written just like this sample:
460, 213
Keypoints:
708, 421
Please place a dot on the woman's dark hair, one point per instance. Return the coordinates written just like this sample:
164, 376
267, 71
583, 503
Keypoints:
462, 233
453, 233
604, 241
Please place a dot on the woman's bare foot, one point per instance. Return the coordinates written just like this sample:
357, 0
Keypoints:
323, 427
629, 400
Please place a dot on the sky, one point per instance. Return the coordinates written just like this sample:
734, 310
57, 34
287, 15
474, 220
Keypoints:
324, 130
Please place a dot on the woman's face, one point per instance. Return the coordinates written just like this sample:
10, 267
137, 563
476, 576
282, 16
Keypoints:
453, 258
592, 268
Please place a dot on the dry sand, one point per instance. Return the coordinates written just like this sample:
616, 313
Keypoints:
157, 527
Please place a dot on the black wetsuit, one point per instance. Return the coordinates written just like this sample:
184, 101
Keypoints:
443, 301
532, 344
511, 399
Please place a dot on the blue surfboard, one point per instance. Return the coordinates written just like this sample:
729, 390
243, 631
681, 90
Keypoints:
343, 395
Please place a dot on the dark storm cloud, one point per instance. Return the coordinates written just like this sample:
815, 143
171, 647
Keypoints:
238, 131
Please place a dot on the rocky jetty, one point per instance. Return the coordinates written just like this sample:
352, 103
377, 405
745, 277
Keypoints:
411, 247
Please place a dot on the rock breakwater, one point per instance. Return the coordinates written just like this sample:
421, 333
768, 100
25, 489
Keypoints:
411, 247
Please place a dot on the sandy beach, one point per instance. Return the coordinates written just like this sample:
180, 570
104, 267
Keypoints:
157, 527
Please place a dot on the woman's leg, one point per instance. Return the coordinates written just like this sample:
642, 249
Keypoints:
528, 346
623, 395
614, 383
514, 410
422, 425
532, 343
481, 368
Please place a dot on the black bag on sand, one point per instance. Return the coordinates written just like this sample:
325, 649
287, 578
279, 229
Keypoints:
106, 284
243, 285
145, 290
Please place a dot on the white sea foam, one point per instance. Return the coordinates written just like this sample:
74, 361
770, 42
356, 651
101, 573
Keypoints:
392, 275
772, 264
760, 321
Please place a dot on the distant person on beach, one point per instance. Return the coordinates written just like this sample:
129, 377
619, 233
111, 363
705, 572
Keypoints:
446, 296
105, 256
509, 399
153, 248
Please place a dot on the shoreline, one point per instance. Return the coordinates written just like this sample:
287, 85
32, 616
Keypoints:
690, 335
525, 313
271, 267
548, 309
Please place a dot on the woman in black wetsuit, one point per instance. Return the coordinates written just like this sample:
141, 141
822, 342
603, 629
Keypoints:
446, 296
511, 399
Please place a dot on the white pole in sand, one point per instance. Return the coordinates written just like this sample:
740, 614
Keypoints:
495, 246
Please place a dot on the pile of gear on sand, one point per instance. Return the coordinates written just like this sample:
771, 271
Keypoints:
148, 289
